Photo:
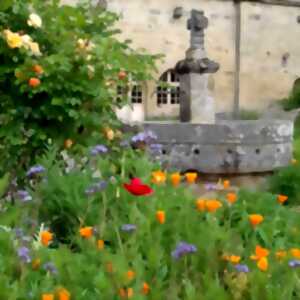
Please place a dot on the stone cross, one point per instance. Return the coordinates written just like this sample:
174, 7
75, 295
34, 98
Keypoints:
197, 24
196, 101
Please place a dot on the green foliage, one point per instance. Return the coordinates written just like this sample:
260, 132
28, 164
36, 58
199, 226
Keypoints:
60, 203
287, 181
293, 101
77, 70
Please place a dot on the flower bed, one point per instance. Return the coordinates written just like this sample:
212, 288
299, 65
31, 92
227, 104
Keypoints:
115, 226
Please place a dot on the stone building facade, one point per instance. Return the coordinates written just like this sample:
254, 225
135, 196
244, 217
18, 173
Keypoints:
255, 43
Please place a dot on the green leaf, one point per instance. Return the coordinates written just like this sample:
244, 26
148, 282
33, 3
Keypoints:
4, 182
5, 4
57, 101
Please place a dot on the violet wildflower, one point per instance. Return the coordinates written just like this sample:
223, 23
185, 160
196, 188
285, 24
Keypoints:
96, 187
38, 169
183, 248
146, 137
50, 267
24, 196
98, 149
294, 263
241, 268
128, 227
23, 253
210, 186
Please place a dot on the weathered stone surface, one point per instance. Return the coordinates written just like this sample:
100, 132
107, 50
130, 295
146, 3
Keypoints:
226, 147
200, 66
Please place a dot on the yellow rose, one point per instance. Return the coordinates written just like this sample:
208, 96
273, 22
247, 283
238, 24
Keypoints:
14, 40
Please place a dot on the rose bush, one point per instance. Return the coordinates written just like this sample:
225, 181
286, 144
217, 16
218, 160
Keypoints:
60, 66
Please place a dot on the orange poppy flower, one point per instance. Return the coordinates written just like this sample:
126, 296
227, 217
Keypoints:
201, 204
161, 216
191, 177
46, 237
175, 179
260, 252
235, 259
213, 205
280, 254
48, 297
145, 288
231, 197
159, 177
226, 184
36, 263
282, 198
63, 294
295, 253
263, 264
100, 244
255, 219
130, 275
86, 232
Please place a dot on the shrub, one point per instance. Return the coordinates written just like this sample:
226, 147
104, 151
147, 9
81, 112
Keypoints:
60, 66
287, 181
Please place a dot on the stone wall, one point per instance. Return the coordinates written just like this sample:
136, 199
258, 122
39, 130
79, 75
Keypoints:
270, 60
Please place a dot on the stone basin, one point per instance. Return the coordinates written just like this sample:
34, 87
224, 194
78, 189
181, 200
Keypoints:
227, 147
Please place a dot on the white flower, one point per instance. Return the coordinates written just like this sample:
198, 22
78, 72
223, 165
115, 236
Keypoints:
27, 40
35, 49
34, 21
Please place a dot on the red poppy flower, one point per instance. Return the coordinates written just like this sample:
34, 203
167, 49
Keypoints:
137, 188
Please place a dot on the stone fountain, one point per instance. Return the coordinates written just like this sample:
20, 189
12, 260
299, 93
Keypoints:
198, 141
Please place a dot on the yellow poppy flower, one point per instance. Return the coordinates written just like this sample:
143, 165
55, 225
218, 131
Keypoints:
158, 177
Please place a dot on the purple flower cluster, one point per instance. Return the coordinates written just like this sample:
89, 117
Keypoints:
182, 249
23, 253
144, 137
241, 268
50, 267
294, 263
128, 227
96, 187
98, 149
24, 196
38, 169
